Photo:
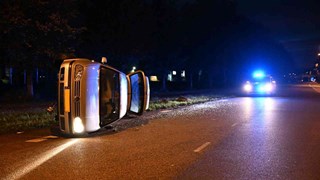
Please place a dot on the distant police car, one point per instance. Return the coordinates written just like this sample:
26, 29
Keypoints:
260, 84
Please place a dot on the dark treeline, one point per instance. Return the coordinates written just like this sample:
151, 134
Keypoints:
35, 35
207, 38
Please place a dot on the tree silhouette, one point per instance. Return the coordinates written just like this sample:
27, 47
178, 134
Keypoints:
37, 33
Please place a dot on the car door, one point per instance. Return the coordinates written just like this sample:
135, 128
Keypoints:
138, 92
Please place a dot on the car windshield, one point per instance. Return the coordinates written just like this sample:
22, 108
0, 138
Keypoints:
263, 79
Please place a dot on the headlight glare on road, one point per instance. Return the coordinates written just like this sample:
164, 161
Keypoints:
78, 125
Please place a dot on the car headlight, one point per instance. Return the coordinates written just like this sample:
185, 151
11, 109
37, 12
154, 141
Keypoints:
78, 125
247, 87
269, 87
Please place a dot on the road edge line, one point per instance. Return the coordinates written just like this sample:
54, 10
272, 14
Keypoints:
203, 146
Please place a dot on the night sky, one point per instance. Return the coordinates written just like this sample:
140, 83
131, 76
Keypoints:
223, 35
293, 23
216, 41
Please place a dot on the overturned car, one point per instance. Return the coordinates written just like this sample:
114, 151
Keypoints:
92, 95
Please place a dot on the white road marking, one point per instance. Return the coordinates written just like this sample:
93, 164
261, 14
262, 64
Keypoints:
316, 88
36, 140
200, 148
233, 125
33, 163
165, 111
42, 139
51, 137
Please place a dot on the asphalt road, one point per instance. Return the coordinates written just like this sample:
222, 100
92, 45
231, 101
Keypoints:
238, 138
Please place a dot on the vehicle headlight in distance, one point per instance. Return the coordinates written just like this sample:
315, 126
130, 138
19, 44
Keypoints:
269, 87
247, 87
78, 125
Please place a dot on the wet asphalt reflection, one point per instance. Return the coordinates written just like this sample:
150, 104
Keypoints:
274, 138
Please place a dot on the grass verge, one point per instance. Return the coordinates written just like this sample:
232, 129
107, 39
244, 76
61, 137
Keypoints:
23, 116
164, 103
20, 117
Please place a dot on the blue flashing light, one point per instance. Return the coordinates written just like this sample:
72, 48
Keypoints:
259, 74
